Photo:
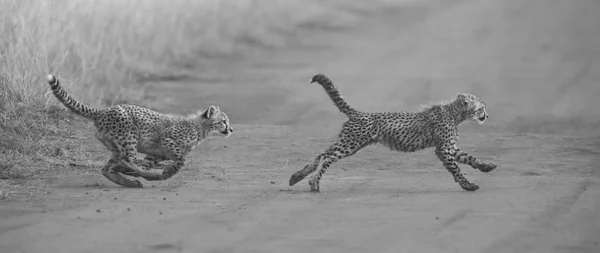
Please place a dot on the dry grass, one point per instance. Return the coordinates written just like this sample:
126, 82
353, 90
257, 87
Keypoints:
105, 50
104, 45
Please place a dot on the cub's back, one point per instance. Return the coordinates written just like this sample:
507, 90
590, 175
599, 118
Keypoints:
121, 116
405, 131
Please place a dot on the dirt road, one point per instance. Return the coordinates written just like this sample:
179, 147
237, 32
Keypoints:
232, 196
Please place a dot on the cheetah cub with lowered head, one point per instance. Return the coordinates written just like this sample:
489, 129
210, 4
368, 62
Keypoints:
127, 129
435, 126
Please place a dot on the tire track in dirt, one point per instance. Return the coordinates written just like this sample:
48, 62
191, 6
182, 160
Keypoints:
457, 216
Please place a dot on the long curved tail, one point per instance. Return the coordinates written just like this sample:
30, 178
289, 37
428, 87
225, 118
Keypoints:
334, 94
73, 105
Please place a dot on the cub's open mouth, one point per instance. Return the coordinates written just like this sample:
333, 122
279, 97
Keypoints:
224, 132
482, 118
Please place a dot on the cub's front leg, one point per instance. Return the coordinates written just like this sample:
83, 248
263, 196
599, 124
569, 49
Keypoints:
474, 162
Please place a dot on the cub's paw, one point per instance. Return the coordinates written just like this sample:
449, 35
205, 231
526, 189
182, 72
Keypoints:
314, 185
468, 186
133, 184
487, 167
296, 177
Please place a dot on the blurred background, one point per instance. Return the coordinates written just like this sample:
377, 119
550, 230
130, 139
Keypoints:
535, 62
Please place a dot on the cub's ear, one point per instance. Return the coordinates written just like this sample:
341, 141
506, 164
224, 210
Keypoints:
211, 112
463, 98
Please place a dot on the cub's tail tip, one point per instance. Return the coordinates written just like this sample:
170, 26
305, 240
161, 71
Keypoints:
318, 77
51, 80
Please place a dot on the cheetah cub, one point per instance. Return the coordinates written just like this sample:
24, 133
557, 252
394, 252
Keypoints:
127, 129
435, 126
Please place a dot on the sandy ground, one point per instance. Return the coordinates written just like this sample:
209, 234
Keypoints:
232, 196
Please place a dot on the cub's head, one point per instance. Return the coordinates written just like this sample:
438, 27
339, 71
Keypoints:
473, 107
216, 122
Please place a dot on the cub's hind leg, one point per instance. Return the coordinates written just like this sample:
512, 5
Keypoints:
127, 149
124, 147
112, 168
309, 168
111, 174
149, 162
337, 151
175, 154
348, 144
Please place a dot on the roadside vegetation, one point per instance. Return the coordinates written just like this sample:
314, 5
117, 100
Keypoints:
104, 51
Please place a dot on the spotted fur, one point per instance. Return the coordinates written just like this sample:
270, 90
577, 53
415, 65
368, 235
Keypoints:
128, 129
435, 126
